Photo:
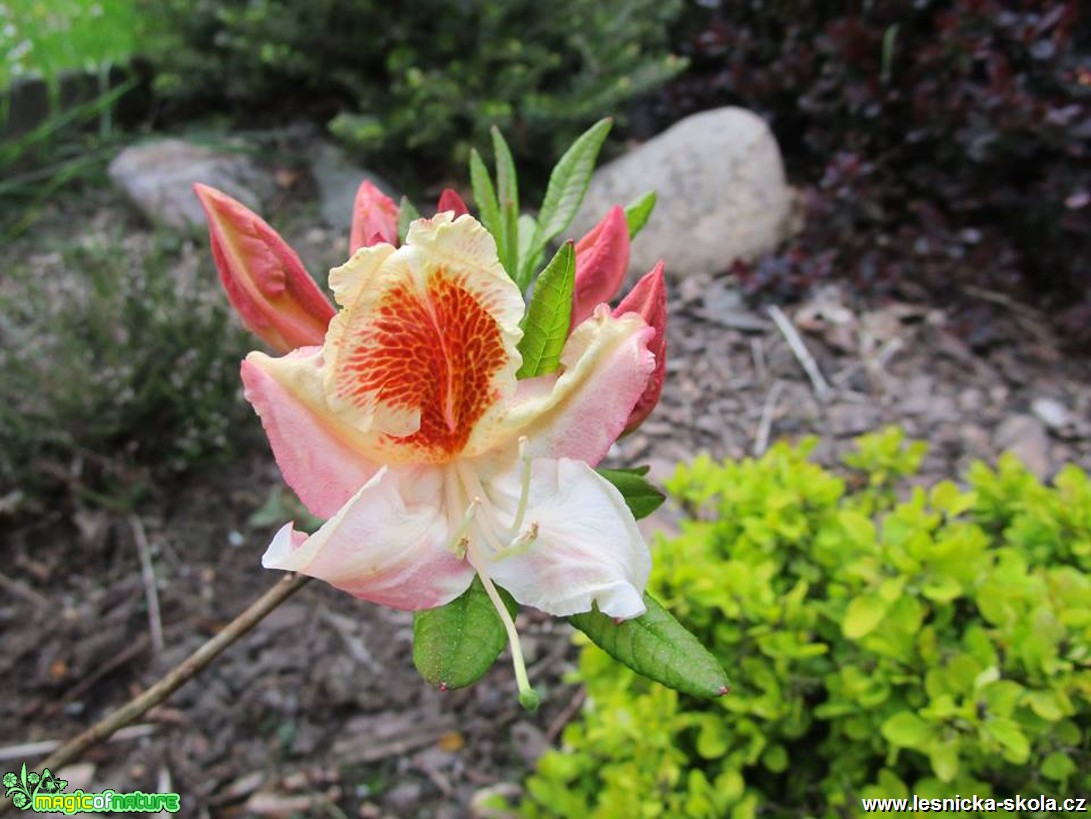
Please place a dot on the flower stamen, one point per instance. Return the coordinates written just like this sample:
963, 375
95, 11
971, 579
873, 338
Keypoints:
524, 489
528, 697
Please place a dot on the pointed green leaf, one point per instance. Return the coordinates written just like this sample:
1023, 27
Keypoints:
548, 315
454, 645
528, 262
406, 214
507, 191
640, 494
657, 646
639, 211
568, 182
488, 209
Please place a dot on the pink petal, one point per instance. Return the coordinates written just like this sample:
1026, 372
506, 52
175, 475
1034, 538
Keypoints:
605, 369
389, 544
450, 200
374, 218
588, 549
602, 259
314, 455
265, 281
649, 300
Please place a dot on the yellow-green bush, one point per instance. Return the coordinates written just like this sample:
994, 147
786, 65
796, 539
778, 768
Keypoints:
938, 645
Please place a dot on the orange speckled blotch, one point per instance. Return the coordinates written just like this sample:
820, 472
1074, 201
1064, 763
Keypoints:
435, 352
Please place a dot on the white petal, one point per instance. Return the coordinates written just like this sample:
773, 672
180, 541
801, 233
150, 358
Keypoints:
588, 547
388, 544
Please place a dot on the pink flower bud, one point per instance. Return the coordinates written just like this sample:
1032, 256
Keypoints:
649, 299
602, 259
265, 281
374, 218
450, 200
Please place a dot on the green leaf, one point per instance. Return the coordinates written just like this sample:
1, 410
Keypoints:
528, 262
906, 730
1058, 766
862, 615
641, 496
943, 754
548, 315
1010, 737
657, 646
406, 214
568, 183
454, 645
487, 206
507, 191
639, 211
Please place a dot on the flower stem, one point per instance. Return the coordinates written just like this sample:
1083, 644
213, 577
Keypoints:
177, 676
528, 697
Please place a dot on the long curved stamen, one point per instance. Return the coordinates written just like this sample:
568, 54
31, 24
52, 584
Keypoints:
460, 540
494, 531
524, 489
528, 697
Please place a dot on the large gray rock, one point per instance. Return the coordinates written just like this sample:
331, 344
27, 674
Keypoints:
722, 193
158, 177
338, 179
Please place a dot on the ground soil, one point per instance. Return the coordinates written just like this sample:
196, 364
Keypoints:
318, 712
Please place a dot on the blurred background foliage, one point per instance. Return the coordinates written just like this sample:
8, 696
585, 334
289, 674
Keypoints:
413, 86
941, 144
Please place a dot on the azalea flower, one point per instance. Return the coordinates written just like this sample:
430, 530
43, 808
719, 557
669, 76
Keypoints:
402, 423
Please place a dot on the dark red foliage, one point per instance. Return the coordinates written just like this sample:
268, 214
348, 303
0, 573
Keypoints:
944, 145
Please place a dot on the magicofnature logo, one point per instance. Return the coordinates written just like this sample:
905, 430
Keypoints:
44, 793
22, 788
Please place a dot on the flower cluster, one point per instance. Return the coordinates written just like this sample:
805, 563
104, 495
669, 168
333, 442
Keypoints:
397, 416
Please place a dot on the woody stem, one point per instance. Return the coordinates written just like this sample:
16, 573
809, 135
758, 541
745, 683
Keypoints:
179, 675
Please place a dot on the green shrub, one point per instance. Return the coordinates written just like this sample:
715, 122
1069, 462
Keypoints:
427, 79
117, 358
937, 645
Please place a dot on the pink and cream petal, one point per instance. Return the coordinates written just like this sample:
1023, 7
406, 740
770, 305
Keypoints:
580, 413
429, 344
588, 549
317, 457
388, 544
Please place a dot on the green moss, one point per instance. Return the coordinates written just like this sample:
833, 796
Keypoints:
937, 644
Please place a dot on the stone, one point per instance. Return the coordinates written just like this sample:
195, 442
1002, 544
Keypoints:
853, 419
1051, 412
158, 177
1026, 438
338, 179
722, 193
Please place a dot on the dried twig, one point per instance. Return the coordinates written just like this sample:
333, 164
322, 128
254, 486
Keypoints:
765, 425
147, 575
23, 590
27, 750
178, 675
757, 350
566, 716
799, 350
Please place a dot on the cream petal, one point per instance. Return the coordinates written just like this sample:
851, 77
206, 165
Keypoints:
388, 544
588, 548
